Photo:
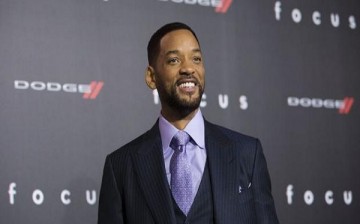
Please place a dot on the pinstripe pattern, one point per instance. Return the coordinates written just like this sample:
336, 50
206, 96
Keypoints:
135, 190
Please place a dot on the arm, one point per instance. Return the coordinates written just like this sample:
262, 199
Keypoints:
110, 203
261, 186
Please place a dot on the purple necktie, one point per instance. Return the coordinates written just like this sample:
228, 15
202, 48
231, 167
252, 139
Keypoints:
181, 180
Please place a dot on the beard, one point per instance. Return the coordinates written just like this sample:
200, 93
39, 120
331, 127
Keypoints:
184, 105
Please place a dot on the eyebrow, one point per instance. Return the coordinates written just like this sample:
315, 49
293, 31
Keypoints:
177, 51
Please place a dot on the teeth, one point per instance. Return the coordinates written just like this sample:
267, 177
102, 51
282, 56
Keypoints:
187, 85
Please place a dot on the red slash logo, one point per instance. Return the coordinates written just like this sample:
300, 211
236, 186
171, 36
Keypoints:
347, 104
95, 88
223, 6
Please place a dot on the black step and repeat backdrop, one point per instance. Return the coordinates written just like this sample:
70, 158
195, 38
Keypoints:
72, 90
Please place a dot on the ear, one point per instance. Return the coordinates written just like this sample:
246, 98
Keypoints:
150, 77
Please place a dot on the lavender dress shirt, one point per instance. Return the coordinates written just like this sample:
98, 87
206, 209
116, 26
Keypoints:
195, 148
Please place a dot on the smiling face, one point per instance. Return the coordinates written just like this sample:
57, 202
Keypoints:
178, 73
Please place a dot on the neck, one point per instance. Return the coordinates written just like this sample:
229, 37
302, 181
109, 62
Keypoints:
178, 119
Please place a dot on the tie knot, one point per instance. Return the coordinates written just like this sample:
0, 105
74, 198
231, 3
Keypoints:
180, 139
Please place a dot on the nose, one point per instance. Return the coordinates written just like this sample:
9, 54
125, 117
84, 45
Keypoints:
187, 68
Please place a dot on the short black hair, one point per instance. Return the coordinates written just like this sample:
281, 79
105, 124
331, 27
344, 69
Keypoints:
153, 47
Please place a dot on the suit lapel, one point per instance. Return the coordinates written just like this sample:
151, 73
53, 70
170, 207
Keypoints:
150, 169
222, 166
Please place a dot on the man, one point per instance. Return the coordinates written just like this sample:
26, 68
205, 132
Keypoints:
184, 169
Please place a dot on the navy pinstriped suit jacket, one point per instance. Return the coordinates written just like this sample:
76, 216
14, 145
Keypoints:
135, 189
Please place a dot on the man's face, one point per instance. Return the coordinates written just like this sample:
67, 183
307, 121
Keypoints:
179, 72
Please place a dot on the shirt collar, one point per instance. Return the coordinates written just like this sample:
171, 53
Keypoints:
195, 128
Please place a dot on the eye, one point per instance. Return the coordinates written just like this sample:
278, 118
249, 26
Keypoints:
197, 59
173, 61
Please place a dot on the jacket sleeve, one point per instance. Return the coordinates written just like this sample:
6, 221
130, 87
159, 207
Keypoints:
110, 203
264, 203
